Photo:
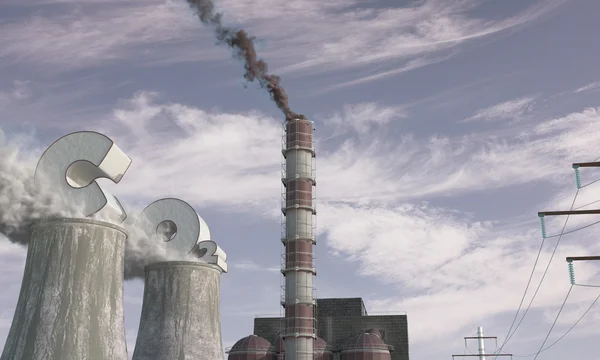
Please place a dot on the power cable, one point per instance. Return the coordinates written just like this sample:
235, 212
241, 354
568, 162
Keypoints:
582, 206
572, 231
588, 184
522, 299
467, 345
508, 334
593, 182
562, 232
554, 323
593, 286
567, 332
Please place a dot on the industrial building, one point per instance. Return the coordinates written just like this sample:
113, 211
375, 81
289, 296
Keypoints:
78, 264
345, 332
343, 325
310, 328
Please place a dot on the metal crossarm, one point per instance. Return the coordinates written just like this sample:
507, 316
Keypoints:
570, 212
582, 258
587, 164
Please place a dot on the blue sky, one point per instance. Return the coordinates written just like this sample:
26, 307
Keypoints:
442, 128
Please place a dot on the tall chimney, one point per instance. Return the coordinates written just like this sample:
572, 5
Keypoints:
298, 207
180, 313
71, 300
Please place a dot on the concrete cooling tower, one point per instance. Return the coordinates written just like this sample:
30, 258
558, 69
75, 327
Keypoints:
180, 313
71, 302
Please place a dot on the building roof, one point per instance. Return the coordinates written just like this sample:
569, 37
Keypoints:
279, 344
251, 343
337, 307
370, 340
320, 345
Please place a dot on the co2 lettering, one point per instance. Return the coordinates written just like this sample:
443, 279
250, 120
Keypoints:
73, 163
71, 166
175, 221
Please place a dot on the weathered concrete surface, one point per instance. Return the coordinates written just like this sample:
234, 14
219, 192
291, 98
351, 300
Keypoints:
181, 313
71, 301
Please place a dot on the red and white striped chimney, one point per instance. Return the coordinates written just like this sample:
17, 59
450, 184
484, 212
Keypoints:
298, 238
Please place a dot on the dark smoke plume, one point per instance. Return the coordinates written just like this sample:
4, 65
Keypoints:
243, 46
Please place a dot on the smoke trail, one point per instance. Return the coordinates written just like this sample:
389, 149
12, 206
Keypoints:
243, 46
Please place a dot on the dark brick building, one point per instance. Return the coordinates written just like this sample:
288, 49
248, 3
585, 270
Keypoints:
340, 319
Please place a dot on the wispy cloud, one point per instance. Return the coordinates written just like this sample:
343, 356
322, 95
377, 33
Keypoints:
292, 35
393, 33
52, 104
513, 110
249, 265
194, 136
165, 138
19, 90
589, 87
363, 117
408, 66
448, 265
87, 35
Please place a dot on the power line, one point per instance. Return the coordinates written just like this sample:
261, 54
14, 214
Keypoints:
568, 213
522, 298
567, 332
594, 286
508, 334
545, 272
554, 323
574, 230
582, 206
588, 184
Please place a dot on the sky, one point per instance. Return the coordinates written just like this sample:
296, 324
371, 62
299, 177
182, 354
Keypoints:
442, 127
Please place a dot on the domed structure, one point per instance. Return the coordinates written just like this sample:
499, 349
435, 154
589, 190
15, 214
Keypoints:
321, 350
278, 347
251, 348
366, 346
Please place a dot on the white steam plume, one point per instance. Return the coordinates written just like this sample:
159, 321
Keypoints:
142, 250
22, 202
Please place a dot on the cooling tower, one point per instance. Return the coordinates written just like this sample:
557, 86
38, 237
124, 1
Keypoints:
71, 301
180, 314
